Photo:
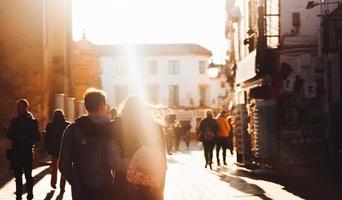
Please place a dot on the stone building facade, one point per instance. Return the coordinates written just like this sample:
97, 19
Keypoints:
85, 71
35, 38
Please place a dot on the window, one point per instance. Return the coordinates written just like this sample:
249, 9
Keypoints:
152, 91
202, 67
121, 68
120, 94
272, 19
203, 94
174, 95
173, 67
152, 67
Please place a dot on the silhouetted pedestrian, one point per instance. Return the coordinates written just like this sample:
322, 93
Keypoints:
53, 136
179, 133
187, 134
230, 135
24, 133
222, 140
89, 152
169, 132
208, 128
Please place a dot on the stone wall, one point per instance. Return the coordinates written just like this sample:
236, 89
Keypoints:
34, 47
21, 63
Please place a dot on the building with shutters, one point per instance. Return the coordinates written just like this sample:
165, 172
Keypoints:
174, 75
168, 74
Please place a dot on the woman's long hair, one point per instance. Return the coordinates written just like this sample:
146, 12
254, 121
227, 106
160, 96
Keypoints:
58, 116
141, 122
136, 109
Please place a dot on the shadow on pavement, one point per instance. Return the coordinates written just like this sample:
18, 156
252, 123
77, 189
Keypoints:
49, 195
60, 195
243, 186
9, 178
306, 185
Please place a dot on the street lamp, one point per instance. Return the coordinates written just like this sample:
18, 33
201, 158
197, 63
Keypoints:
312, 4
213, 70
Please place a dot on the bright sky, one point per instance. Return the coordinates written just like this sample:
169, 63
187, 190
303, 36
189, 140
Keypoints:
152, 21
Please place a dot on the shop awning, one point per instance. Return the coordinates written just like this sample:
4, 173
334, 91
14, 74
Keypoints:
255, 81
246, 68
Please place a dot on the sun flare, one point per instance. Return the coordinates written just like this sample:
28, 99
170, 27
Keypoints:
153, 21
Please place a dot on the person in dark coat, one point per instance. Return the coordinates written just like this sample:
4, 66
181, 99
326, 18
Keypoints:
53, 136
179, 133
89, 154
24, 133
187, 134
138, 128
208, 129
169, 131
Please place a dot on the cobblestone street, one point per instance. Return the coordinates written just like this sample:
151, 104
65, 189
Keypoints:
187, 179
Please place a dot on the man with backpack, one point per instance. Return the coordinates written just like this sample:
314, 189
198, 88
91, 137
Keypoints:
208, 129
89, 152
24, 133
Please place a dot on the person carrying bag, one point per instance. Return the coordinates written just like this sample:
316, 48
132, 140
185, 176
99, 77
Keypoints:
207, 134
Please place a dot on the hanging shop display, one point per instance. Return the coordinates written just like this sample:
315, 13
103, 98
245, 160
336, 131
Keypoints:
263, 129
241, 137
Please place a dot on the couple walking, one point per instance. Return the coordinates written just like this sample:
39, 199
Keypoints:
215, 132
120, 159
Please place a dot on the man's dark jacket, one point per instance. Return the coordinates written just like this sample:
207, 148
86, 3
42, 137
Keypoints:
24, 133
88, 155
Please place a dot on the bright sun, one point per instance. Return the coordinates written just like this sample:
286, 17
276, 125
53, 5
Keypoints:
152, 21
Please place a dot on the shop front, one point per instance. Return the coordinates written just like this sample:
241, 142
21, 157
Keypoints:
255, 136
332, 51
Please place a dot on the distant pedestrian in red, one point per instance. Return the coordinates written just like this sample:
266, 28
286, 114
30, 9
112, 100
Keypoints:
53, 136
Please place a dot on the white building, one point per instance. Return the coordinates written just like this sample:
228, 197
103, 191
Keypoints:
169, 74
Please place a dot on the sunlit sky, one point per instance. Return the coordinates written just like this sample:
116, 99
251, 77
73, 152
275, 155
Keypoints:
152, 21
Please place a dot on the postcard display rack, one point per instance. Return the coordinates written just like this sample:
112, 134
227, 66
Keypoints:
263, 130
241, 139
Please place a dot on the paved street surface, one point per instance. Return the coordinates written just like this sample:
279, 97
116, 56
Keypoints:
187, 179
